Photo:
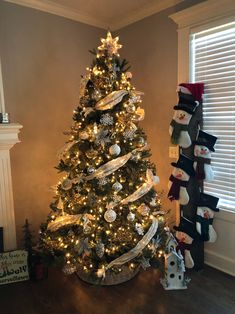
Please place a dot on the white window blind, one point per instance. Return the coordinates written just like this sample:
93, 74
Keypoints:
213, 62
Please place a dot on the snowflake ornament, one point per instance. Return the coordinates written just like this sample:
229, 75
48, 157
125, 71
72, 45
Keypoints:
106, 119
139, 228
102, 181
101, 137
145, 263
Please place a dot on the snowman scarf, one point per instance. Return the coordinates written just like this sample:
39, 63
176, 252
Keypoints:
177, 128
200, 170
205, 223
174, 192
182, 246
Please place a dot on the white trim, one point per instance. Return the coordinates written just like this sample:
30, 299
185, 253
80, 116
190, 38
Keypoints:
60, 10
148, 10
79, 16
2, 102
220, 262
204, 12
8, 138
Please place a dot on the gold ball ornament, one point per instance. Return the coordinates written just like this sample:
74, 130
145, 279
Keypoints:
91, 153
110, 215
83, 135
128, 75
143, 209
130, 108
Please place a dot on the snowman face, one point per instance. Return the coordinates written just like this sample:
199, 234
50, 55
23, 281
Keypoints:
180, 174
206, 212
202, 151
182, 117
183, 237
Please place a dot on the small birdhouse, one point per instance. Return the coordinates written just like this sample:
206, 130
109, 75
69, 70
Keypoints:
174, 267
171, 243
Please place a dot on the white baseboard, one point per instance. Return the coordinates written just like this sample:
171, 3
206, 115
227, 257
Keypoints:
220, 262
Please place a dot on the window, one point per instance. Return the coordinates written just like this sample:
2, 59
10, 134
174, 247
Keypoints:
213, 62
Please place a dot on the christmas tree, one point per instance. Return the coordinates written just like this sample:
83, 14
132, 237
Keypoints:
106, 219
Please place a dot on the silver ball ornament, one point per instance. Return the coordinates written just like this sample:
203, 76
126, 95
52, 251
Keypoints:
117, 186
110, 215
90, 170
114, 150
66, 184
141, 142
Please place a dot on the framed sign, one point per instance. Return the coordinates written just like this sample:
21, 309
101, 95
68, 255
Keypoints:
13, 267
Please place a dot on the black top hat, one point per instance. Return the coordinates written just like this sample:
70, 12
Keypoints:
206, 139
188, 228
185, 164
209, 201
186, 103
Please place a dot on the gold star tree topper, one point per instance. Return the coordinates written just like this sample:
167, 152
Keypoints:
110, 44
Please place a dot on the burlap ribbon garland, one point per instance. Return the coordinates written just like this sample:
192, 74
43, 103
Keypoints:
126, 257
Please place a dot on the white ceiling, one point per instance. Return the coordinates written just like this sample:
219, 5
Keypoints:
113, 14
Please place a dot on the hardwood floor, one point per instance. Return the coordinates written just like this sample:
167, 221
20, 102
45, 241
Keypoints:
209, 292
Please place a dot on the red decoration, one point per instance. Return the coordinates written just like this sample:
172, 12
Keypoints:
196, 89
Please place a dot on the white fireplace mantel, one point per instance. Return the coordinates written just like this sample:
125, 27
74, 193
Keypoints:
8, 138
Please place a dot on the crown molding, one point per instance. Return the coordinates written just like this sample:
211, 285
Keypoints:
205, 11
60, 10
148, 10
77, 15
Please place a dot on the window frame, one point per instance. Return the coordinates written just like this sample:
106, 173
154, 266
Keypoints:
194, 19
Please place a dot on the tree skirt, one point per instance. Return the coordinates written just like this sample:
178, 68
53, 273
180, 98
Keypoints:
111, 278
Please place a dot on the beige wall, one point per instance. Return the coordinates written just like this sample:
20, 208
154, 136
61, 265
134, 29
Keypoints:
43, 57
151, 47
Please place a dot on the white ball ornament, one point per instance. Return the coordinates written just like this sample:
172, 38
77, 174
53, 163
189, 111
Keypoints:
117, 186
156, 179
131, 216
110, 215
114, 150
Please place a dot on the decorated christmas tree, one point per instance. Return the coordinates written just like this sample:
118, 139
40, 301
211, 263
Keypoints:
106, 219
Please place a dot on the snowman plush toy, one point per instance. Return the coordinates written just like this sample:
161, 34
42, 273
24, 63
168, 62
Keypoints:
204, 145
182, 115
185, 235
206, 209
179, 178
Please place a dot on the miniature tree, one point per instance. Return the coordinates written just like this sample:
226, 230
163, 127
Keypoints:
27, 238
106, 218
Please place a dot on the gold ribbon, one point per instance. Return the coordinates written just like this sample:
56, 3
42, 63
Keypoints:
126, 257
141, 191
111, 100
